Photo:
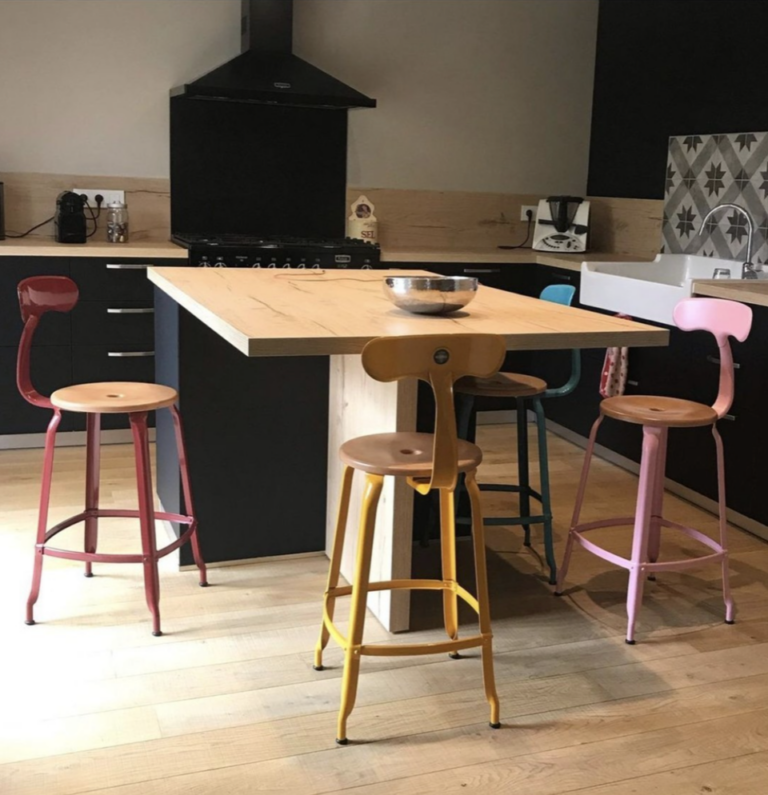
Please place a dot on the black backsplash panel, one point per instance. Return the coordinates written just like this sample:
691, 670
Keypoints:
669, 68
257, 169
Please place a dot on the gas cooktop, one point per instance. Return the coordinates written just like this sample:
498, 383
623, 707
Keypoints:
250, 251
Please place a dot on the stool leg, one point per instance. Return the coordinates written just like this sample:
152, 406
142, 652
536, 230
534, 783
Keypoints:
523, 476
146, 517
657, 507
42, 517
373, 484
727, 598
186, 488
577, 506
546, 502
645, 493
92, 466
448, 555
484, 610
336, 554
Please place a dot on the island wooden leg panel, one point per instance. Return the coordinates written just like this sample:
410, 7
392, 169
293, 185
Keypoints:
358, 406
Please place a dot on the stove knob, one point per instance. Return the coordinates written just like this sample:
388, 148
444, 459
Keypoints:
316, 267
272, 263
287, 263
366, 266
220, 263
256, 263
302, 265
203, 263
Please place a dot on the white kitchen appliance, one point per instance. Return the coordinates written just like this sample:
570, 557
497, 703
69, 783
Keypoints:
562, 224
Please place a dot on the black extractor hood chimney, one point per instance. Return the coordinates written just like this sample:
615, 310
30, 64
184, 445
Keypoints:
267, 72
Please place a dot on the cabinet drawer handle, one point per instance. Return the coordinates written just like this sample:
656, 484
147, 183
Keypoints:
715, 360
127, 266
126, 354
730, 417
482, 270
134, 310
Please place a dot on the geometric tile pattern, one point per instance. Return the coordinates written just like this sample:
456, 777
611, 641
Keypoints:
704, 171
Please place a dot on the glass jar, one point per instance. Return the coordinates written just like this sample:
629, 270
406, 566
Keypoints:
117, 223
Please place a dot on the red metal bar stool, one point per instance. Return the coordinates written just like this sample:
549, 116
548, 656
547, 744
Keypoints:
657, 415
41, 294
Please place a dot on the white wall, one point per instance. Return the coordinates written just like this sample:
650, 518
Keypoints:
483, 95
84, 87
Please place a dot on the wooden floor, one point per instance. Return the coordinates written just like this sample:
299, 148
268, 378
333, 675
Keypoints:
227, 701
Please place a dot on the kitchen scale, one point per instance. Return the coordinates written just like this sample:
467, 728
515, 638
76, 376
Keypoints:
562, 224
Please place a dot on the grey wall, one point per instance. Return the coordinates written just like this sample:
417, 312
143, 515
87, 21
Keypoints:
84, 86
484, 95
479, 95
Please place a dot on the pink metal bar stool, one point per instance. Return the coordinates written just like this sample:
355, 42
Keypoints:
41, 294
657, 414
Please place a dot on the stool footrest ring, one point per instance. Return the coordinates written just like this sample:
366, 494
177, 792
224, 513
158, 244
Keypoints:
669, 565
104, 557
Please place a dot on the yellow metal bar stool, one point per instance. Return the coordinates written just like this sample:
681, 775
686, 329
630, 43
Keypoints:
427, 461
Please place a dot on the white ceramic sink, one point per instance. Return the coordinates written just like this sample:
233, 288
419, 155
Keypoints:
648, 290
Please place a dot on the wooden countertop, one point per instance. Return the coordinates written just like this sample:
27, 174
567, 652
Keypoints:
748, 291
570, 262
296, 313
47, 247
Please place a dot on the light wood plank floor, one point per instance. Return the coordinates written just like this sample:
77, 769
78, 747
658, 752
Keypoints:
227, 701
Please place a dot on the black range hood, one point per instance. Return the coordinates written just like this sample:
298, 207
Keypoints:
267, 72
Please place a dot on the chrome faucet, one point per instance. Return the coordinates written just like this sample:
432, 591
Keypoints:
748, 270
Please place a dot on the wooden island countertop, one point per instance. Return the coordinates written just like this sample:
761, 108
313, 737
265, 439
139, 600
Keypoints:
299, 313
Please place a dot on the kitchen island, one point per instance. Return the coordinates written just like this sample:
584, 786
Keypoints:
303, 317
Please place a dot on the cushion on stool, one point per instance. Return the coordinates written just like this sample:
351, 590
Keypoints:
512, 385
407, 454
660, 412
114, 397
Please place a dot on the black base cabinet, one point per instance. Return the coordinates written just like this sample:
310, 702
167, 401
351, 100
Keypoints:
257, 438
108, 336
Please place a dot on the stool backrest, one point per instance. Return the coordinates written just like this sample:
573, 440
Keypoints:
723, 319
38, 295
440, 360
563, 294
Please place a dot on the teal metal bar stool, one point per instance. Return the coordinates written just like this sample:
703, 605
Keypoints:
525, 390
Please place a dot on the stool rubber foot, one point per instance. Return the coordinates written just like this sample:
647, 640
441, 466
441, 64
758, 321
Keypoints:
495, 725
157, 634
88, 574
652, 578
30, 623
203, 584
454, 655
526, 543
732, 621
345, 741
630, 642
558, 593
319, 667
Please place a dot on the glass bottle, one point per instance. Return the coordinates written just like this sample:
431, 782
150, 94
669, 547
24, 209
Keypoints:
117, 222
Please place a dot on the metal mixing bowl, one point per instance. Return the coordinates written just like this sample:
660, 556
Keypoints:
430, 295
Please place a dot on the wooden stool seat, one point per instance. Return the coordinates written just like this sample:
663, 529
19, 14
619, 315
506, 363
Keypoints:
402, 454
114, 397
503, 385
658, 412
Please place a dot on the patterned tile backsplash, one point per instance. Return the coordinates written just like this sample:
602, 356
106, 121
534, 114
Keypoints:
704, 171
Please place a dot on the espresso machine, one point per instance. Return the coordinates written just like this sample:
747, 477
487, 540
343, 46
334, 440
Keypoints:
562, 224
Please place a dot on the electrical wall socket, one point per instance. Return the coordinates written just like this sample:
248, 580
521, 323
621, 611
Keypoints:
109, 195
524, 209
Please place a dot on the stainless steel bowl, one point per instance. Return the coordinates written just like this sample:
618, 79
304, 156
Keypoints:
430, 295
